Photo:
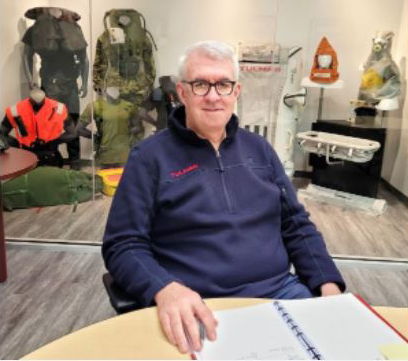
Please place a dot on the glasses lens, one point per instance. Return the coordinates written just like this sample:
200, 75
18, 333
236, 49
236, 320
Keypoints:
224, 87
200, 87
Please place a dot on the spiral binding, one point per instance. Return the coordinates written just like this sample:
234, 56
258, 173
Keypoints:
300, 335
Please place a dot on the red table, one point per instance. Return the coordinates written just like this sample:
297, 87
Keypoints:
13, 162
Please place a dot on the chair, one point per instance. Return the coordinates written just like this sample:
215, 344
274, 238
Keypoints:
119, 299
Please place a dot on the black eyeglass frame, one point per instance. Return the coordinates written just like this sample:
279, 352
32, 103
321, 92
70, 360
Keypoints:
192, 82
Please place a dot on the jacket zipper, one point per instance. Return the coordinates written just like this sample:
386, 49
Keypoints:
223, 181
285, 202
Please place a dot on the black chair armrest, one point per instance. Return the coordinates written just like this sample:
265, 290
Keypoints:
119, 299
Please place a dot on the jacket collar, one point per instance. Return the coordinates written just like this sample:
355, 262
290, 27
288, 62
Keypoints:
177, 125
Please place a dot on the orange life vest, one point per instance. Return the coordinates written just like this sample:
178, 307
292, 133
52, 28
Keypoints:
45, 125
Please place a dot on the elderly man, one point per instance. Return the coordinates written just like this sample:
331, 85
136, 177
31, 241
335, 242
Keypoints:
204, 209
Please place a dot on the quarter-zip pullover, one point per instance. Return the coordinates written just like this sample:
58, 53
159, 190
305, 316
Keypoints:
224, 223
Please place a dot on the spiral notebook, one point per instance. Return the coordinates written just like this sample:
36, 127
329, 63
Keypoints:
335, 327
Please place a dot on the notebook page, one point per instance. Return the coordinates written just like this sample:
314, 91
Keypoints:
342, 327
251, 333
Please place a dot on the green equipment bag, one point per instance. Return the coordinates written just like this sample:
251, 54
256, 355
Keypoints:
49, 186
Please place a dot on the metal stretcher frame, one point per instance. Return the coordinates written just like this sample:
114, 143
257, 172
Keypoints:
337, 146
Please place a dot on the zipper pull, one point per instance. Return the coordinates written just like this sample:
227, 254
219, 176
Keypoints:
218, 155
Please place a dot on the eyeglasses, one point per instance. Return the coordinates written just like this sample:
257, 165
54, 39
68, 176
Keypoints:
203, 87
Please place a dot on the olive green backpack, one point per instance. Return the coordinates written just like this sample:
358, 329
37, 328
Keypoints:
49, 186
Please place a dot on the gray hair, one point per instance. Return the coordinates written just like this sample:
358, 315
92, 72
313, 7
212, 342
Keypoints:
216, 50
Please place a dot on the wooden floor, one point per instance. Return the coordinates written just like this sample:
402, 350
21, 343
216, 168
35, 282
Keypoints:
54, 291
357, 233
347, 232
86, 224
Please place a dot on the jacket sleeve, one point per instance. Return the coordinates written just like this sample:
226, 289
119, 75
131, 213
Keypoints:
305, 245
126, 246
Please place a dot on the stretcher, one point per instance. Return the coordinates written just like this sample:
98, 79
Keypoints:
342, 148
337, 146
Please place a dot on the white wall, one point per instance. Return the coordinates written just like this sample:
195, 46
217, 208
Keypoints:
349, 26
12, 27
177, 24
395, 168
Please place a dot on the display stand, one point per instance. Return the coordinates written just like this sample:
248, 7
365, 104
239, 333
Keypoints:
352, 175
339, 158
307, 83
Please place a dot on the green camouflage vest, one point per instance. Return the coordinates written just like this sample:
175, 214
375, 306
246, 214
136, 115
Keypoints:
124, 56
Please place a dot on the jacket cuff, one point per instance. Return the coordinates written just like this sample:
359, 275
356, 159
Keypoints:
148, 296
314, 285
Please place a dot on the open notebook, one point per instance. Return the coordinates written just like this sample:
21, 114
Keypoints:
335, 327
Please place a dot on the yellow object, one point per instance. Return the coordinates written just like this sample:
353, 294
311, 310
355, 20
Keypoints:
371, 80
395, 351
110, 179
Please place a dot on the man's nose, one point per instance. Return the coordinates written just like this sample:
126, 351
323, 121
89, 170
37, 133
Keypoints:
212, 94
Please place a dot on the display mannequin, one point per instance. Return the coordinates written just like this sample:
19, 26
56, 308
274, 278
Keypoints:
163, 99
380, 82
117, 127
58, 40
40, 124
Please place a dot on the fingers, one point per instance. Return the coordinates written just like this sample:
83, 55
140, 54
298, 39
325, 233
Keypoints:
179, 310
192, 331
205, 315
166, 325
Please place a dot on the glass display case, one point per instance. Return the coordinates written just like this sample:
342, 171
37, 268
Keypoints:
103, 73
112, 68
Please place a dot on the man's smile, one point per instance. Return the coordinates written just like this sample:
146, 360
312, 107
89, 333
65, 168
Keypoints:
213, 109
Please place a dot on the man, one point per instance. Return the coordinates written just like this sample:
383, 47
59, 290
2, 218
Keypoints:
204, 209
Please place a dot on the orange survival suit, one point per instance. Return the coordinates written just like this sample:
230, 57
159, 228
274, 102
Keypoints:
38, 128
31, 127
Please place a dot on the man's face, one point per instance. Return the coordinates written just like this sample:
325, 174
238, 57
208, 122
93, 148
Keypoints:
210, 112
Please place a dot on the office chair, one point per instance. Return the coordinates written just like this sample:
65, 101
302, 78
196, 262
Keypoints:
119, 299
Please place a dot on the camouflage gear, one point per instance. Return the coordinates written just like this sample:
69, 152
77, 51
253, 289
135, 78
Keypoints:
117, 129
124, 56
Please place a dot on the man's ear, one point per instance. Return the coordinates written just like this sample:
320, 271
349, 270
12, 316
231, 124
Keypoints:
237, 89
181, 92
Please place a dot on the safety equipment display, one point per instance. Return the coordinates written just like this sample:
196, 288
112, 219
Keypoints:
325, 64
381, 77
124, 56
32, 128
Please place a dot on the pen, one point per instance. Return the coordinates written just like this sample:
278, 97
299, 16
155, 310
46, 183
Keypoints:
201, 330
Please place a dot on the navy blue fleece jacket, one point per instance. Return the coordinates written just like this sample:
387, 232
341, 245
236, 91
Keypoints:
223, 223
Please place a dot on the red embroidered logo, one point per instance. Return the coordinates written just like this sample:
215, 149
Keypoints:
184, 171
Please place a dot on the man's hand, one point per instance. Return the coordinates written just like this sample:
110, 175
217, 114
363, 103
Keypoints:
179, 309
329, 289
